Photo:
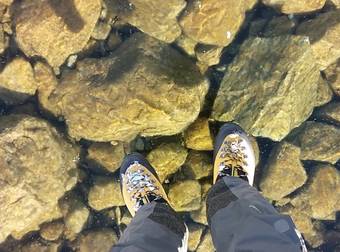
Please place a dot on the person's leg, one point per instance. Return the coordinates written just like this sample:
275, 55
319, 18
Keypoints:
155, 225
239, 217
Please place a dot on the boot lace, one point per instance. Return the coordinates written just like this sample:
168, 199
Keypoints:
141, 187
233, 158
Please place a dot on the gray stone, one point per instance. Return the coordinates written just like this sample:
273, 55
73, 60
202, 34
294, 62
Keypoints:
267, 79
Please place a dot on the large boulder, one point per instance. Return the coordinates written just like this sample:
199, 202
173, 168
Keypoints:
319, 141
324, 35
320, 198
54, 29
167, 158
271, 87
295, 6
17, 81
156, 18
284, 172
145, 87
214, 22
37, 167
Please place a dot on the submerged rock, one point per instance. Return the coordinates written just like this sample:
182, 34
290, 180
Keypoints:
214, 22
53, 30
101, 101
332, 74
105, 193
75, 215
320, 142
187, 45
189, 201
330, 113
324, 36
17, 81
156, 18
105, 156
206, 244
200, 215
324, 93
198, 165
52, 231
208, 55
310, 230
36, 246
284, 172
321, 196
37, 167
295, 6
198, 136
267, 79
100, 240
167, 159
195, 233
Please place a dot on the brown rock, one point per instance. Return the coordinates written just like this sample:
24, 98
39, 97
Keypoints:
75, 215
54, 31
187, 44
324, 93
105, 156
195, 233
295, 6
37, 246
101, 30
209, 55
268, 78
37, 166
206, 244
167, 159
52, 231
335, 3
284, 163
197, 136
105, 193
332, 74
198, 165
100, 240
324, 36
6, 2
310, 230
101, 101
319, 142
320, 198
330, 113
214, 22
188, 202
200, 215
279, 26
17, 81
156, 18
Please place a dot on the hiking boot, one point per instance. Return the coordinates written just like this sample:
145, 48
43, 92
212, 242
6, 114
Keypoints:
233, 154
140, 184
